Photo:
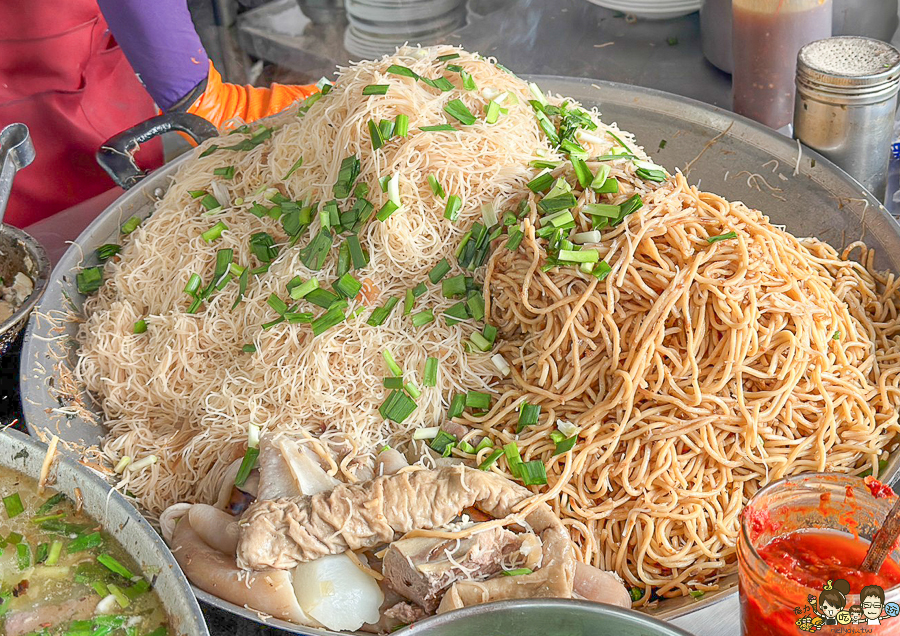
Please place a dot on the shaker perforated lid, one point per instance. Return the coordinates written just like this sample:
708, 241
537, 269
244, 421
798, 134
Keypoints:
849, 64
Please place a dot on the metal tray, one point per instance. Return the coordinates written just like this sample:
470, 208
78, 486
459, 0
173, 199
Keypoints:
20, 453
717, 149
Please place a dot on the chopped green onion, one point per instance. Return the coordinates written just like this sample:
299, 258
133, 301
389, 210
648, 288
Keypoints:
468, 82
438, 128
140, 326
403, 71
429, 378
263, 247
387, 210
349, 171
117, 592
557, 203
423, 318
314, 254
409, 302
475, 305
401, 125
375, 135
490, 459
447, 57
277, 304
54, 553
611, 186
214, 232
592, 236
357, 256
621, 143
466, 447
722, 237
304, 289
481, 343
436, 187
513, 459
600, 178
391, 363
107, 251
429, 432
456, 313
582, 172
376, 89
196, 194
697, 594
517, 572
457, 406
492, 112
249, 348
210, 202
541, 182
419, 290
581, 256
453, 286
441, 83
227, 172
533, 473
484, 443
515, 238
633, 204
333, 316
322, 297
51, 503
412, 389
650, 175
89, 280
110, 563
528, 416
386, 127
347, 286
397, 407
442, 440
247, 465
381, 313
85, 542
209, 151
392, 383
478, 400
453, 207
441, 269
13, 505
131, 224
23, 556
293, 169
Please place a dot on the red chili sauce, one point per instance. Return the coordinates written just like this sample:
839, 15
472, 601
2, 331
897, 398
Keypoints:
809, 559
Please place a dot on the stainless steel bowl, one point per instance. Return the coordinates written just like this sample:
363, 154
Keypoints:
539, 617
21, 253
119, 518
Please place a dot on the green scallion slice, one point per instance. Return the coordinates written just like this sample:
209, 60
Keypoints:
722, 237
110, 563
453, 207
515, 238
533, 473
542, 182
247, 465
349, 171
565, 444
107, 251
447, 57
478, 400
23, 556
401, 125
132, 224
210, 202
480, 342
54, 553
459, 111
85, 542
409, 302
423, 318
517, 572
468, 82
436, 187
89, 280
580, 256
441, 83
411, 388
441, 269
528, 416
386, 127
381, 313
475, 304
332, 317
51, 503
249, 348
513, 459
140, 326
601, 270
13, 505
314, 254
442, 440
214, 232
387, 210
490, 459
397, 407
303, 289
393, 383
391, 363
582, 172
649, 174
347, 286
293, 169
357, 256
560, 202
457, 406
403, 71
429, 377
454, 286
227, 172
376, 89
375, 135
456, 313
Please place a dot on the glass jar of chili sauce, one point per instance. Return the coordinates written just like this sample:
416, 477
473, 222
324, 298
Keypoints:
801, 539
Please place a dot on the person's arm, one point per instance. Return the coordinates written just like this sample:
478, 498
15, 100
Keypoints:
160, 42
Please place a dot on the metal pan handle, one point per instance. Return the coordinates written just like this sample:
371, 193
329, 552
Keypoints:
116, 155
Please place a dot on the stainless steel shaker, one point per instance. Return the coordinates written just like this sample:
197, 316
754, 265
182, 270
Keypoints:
846, 100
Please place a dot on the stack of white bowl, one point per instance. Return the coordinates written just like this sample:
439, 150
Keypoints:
652, 9
377, 27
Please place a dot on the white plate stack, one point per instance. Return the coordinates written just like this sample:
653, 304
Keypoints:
377, 27
652, 9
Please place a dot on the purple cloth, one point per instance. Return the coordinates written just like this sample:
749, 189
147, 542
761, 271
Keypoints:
160, 42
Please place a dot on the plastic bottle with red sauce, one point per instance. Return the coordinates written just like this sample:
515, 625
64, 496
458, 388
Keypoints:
805, 535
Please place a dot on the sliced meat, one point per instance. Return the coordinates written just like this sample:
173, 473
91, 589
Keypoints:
25, 622
421, 569
405, 613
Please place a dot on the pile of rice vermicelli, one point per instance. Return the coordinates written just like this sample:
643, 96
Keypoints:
692, 374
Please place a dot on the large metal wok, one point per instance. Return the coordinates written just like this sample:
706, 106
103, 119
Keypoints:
718, 150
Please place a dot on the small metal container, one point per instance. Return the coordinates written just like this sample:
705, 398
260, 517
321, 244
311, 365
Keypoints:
846, 99
540, 617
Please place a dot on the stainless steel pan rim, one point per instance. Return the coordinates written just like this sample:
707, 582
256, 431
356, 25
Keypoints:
821, 200
118, 517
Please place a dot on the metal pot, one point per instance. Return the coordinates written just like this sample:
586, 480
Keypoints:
539, 617
820, 200
119, 518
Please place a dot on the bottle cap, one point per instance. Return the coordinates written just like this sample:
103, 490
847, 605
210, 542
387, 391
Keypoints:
849, 66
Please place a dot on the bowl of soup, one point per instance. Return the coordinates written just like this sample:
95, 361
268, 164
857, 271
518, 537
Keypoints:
77, 558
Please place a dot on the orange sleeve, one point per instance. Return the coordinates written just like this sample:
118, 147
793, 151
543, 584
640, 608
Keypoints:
221, 101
